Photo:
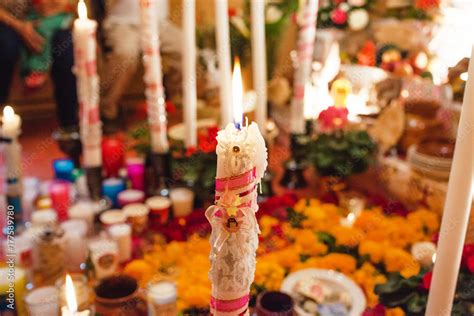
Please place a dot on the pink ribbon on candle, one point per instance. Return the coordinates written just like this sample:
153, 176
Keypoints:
229, 306
236, 182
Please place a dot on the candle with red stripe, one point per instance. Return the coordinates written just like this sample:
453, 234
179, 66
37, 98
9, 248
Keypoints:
305, 48
154, 91
85, 69
241, 164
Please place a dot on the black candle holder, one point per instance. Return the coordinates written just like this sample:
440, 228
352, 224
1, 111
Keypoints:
94, 182
293, 178
160, 163
69, 141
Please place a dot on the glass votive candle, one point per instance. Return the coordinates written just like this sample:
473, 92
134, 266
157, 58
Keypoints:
60, 193
83, 210
182, 200
111, 188
130, 196
104, 257
49, 254
113, 153
63, 169
159, 209
44, 218
75, 231
136, 173
161, 297
137, 216
122, 234
112, 217
43, 301
81, 290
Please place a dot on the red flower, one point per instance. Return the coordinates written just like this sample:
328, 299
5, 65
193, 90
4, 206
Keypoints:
467, 253
427, 4
339, 16
190, 151
207, 142
367, 55
232, 12
470, 264
427, 280
170, 107
333, 118
378, 310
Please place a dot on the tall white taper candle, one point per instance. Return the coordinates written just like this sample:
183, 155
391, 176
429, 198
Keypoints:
306, 38
223, 55
456, 210
259, 62
189, 72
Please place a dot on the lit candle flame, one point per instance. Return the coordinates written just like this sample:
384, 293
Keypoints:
70, 295
237, 94
82, 10
8, 113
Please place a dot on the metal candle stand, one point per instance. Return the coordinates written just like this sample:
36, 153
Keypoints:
293, 178
94, 182
160, 163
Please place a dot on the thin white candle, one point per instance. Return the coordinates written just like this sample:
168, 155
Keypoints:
189, 72
456, 210
11, 129
11, 123
154, 91
259, 62
238, 95
85, 69
223, 55
305, 49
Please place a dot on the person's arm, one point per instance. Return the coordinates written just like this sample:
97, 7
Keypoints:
25, 29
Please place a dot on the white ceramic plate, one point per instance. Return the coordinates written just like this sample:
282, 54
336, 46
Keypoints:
336, 280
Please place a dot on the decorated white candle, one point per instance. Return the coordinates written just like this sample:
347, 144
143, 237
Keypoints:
154, 91
305, 49
71, 308
223, 55
189, 72
85, 69
241, 164
259, 61
122, 234
457, 208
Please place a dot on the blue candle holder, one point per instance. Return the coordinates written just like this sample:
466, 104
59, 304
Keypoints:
111, 187
63, 169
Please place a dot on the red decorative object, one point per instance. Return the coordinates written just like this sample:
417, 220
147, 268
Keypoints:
427, 280
427, 4
113, 155
59, 192
367, 55
339, 16
332, 119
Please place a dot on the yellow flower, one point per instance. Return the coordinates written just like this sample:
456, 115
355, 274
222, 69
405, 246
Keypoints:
425, 220
321, 217
266, 223
140, 270
398, 260
367, 277
340, 262
394, 312
309, 244
373, 249
287, 257
268, 274
347, 236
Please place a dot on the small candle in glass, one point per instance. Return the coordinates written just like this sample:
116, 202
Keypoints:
137, 216
81, 290
104, 257
159, 209
161, 298
83, 210
63, 169
130, 196
75, 231
183, 201
60, 192
136, 173
111, 188
122, 234
43, 301
112, 217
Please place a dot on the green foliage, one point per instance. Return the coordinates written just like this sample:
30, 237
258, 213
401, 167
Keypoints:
342, 153
294, 218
